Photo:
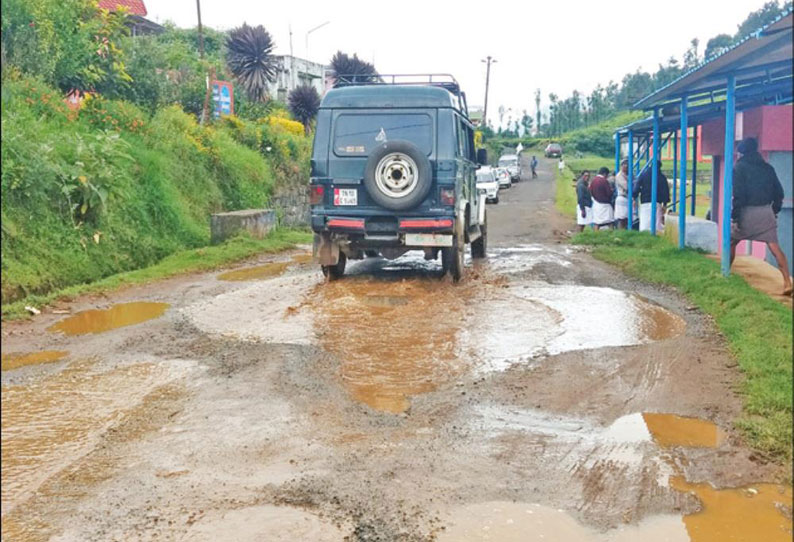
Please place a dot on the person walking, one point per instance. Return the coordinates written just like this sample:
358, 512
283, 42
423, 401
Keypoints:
601, 190
643, 188
584, 202
757, 199
534, 165
622, 199
561, 164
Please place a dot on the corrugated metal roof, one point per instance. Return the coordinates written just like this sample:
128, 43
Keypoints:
134, 7
778, 32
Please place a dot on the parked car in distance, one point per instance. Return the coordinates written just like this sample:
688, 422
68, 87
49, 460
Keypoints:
486, 182
503, 177
511, 163
553, 150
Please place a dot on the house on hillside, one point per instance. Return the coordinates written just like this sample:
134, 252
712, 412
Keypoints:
136, 11
294, 72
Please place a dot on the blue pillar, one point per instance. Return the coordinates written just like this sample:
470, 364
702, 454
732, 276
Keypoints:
727, 189
675, 169
617, 152
655, 169
631, 180
694, 167
682, 186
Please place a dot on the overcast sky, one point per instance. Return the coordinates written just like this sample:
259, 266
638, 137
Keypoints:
557, 46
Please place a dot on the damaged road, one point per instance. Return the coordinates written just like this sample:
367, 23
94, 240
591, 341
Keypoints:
547, 397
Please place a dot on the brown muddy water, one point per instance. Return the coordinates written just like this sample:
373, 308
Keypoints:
101, 320
18, 359
46, 424
259, 272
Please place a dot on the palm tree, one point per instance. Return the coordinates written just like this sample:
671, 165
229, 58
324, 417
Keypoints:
304, 103
248, 55
352, 69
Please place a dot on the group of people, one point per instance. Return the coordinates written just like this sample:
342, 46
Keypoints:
603, 201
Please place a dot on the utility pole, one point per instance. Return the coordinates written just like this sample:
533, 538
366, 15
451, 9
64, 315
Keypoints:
489, 61
200, 31
537, 110
309, 32
211, 76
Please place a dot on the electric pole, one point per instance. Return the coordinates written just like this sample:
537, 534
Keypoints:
200, 32
489, 61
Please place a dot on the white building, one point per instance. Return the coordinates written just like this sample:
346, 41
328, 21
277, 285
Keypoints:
294, 72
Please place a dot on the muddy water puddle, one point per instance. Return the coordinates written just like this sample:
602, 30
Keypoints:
259, 272
101, 320
17, 360
49, 424
394, 339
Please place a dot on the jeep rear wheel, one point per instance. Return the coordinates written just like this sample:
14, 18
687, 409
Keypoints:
334, 272
480, 245
452, 258
398, 175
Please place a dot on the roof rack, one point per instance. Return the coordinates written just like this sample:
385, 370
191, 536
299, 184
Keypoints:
443, 80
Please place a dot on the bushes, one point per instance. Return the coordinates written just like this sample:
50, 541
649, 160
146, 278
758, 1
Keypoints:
107, 190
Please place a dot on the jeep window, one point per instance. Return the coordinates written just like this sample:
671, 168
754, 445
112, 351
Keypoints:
460, 131
357, 134
472, 152
506, 162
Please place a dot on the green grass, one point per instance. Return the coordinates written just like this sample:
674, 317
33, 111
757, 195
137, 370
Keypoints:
184, 261
758, 329
565, 196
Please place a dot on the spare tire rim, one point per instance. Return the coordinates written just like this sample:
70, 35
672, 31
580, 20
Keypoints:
397, 175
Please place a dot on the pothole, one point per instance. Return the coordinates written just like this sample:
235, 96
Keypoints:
259, 272
100, 320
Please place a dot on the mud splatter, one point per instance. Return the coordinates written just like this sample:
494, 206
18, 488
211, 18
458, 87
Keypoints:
17, 360
98, 320
259, 272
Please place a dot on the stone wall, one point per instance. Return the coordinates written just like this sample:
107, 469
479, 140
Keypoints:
257, 222
292, 206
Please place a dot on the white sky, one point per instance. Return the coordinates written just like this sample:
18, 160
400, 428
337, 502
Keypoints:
556, 46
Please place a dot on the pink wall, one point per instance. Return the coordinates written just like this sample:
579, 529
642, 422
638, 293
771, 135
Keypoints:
771, 125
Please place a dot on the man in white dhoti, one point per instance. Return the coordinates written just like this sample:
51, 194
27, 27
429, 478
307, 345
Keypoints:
643, 188
601, 190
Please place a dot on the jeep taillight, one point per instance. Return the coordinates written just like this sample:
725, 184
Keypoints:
447, 196
316, 194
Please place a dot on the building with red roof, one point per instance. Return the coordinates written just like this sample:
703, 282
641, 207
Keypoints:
136, 11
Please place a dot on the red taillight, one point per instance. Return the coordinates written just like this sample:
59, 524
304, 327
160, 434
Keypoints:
427, 223
447, 196
316, 194
346, 223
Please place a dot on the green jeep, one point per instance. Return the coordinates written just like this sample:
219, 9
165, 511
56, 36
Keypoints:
393, 170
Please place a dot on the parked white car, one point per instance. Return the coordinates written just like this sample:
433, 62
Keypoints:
486, 181
511, 162
503, 177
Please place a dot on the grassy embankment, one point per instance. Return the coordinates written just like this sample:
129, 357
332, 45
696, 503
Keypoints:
758, 329
110, 189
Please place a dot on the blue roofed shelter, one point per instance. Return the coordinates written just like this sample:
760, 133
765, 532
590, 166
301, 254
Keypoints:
744, 91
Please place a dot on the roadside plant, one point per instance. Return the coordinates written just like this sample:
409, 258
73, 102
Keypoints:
349, 69
250, 59
304, 103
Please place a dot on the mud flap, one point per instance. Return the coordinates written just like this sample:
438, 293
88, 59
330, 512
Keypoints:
325, 251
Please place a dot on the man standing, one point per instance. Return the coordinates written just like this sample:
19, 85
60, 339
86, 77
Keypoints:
757, 199
534, 165
601, 191
584, 202
622, 200
643, 188
561, 164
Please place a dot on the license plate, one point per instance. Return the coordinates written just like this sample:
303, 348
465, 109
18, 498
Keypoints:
428, 240
345, 196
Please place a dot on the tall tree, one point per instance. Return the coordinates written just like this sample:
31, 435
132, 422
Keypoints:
691, 57
760, 18
717, 44
250, 59
537, 107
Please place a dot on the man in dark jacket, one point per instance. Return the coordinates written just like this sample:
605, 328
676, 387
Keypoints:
757, 199
584, 203
644, 188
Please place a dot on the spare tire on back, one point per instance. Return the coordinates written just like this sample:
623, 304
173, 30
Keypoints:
398, 175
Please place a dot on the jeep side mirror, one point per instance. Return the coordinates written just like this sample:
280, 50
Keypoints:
482, 157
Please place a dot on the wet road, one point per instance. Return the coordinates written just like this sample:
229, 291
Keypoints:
547, 397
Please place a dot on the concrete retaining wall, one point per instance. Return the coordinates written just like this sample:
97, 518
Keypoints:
700, 233
257, 222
